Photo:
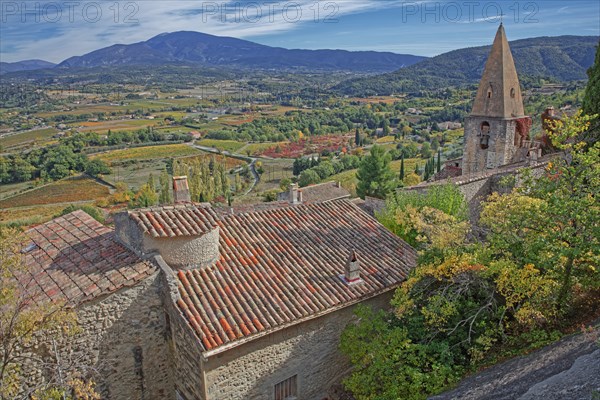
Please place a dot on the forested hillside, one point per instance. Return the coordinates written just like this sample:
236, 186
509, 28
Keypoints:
563, 58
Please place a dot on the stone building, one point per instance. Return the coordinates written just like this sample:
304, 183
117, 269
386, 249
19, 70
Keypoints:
116, 295
190, 302
497, 130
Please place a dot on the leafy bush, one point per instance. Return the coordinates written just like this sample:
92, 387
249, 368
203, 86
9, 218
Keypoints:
403, 207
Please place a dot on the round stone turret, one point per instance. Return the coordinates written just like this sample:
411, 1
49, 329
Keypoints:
186, 236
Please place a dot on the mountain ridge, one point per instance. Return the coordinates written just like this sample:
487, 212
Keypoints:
197, 48
563, 58
24, 65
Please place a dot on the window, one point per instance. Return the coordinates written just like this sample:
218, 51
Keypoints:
288, 389
490, 92
513, 93
484, 135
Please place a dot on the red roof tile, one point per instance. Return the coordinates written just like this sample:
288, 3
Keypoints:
285, 266
74, 258
174, 221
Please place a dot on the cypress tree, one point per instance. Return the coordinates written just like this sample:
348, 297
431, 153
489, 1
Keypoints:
165, 194
439, 161
402, 168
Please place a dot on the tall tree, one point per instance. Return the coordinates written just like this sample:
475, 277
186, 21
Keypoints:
439, 161
357, 137
375, 177
402, 168
386, 127
165, 193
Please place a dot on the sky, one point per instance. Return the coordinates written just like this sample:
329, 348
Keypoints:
57, 30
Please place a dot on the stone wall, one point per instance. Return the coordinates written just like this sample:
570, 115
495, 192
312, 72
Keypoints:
122, 338
501, 149
179, 252
184, 347
129, 233
308, 350
186, 252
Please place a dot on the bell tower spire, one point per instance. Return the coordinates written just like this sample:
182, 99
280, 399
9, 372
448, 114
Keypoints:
495, 131
499, 93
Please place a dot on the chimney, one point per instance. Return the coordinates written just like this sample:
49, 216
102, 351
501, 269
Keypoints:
294, 193
181, 190
550, 111
352, 269
338, 184
300, 199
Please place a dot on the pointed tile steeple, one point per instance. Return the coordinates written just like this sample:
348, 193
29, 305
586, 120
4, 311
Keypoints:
499, 94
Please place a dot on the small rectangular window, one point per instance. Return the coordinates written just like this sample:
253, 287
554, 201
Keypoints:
288, 389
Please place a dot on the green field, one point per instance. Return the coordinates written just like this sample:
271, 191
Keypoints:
25, 137
136, 174
257, 148
386, 139
223, 145
11, 189
148, 153
116, 125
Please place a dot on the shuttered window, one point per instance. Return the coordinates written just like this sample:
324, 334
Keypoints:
288, 389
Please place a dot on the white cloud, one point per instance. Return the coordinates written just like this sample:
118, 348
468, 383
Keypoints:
76, 32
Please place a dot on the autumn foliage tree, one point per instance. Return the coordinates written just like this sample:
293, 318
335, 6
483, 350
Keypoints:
469, 303
552, 221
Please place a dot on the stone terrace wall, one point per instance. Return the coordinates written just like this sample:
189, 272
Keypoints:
123, 338
308, 350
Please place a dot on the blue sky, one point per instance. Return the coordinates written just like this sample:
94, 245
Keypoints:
56, 30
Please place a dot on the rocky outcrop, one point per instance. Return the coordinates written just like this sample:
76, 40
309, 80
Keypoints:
568, 369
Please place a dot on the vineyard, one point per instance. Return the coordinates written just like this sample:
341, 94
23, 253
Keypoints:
148, 153
223, 145
64, 191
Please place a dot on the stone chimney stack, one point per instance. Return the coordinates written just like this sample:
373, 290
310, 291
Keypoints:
352, 270
294, 194
181, 190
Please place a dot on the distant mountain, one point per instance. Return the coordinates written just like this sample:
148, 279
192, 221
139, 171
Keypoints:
27, 65
564, 58
196, 48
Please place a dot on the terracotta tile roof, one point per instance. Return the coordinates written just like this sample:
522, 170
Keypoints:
74, 258
174, 221
282, 265
322, 192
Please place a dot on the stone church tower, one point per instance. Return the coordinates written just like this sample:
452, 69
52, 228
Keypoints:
497, 128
